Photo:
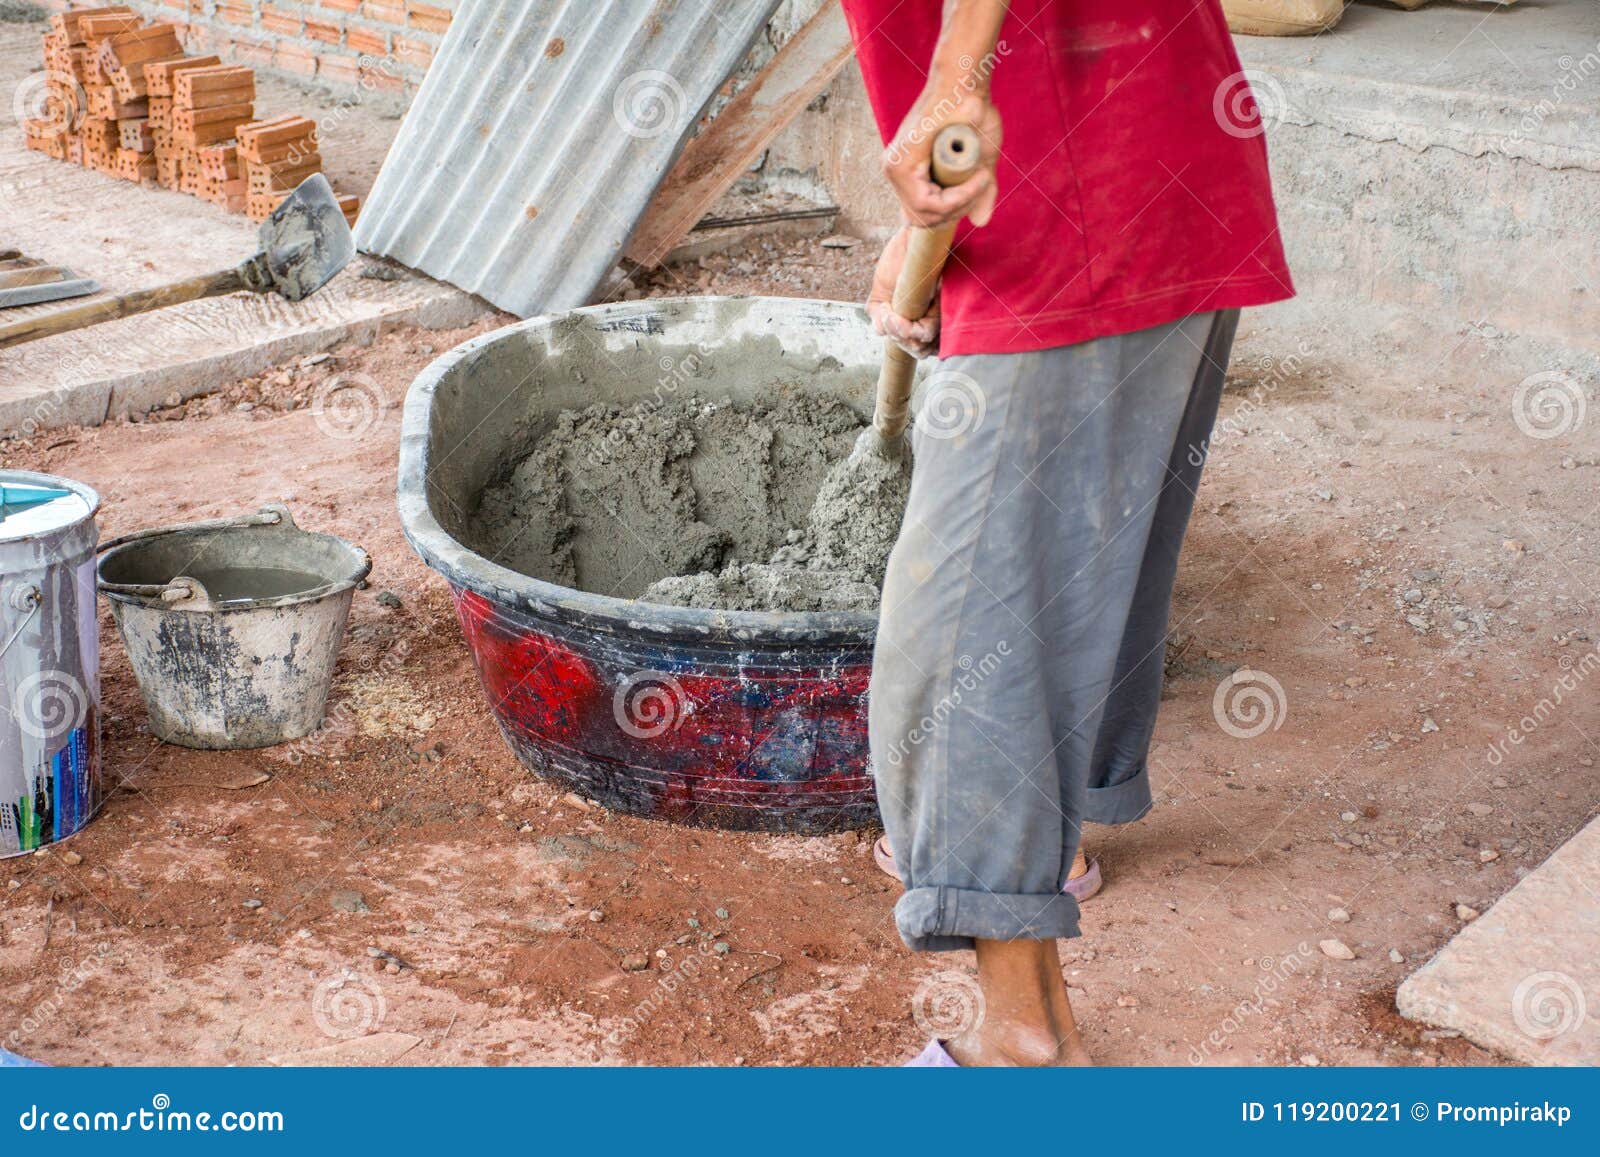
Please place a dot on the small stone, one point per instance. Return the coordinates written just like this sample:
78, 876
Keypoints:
1316, 586
1339, 915
1418, 622
722, 913
375, 804
1414, 595
1425, 576
416, 929
846, 880
840, 241
1428, 724
1466, 913
1348, 817
1395, 957
252, 904
71, 859
389, 599
1355, 681
315, 359
573, 799
722, 948
348, 900
1487, 855
1336, 949
1310, 1060
1479, 809
392, 968
661, 953
635, 962
1127, 1000
245, 407
1514, 546
1496, 602
596, 916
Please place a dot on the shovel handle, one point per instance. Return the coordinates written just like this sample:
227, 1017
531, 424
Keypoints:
125, 305
956, 152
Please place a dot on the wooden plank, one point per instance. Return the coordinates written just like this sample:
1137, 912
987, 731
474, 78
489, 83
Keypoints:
714, 160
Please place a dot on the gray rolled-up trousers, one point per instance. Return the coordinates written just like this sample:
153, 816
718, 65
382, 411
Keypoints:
1018, 663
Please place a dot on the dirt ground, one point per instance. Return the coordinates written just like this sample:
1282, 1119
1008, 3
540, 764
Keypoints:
1396, 569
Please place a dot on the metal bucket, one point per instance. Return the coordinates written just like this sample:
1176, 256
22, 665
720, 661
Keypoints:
223, 672
49, 665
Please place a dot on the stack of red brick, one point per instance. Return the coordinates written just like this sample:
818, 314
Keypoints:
124, 99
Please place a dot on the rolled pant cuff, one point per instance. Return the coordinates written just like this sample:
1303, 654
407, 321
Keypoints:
946, 919
1121, 803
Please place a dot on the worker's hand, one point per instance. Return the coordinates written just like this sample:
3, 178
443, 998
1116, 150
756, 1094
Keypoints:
919, 336
907, 161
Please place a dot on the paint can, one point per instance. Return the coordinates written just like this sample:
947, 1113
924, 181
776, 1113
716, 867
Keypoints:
49, 661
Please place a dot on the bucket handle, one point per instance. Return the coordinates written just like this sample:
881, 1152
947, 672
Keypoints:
185, 589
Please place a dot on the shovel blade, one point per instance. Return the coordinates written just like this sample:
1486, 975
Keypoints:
305, 241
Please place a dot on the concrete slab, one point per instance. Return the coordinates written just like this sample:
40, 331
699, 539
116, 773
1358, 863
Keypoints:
1522, 82
131, 237
1524, 978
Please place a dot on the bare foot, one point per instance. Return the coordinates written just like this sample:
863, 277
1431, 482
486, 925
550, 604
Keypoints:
1002, 1046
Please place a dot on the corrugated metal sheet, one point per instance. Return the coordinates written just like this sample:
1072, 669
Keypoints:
540, 133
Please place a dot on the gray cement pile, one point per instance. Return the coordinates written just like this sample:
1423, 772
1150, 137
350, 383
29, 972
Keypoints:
697, 504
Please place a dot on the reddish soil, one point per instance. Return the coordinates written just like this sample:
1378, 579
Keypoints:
505, 910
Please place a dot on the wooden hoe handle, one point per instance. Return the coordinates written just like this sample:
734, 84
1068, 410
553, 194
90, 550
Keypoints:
109, 308
955, 158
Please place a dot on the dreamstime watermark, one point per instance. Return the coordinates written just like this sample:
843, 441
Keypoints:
72, 977
1267, 375
676, 372
973, 74
340, 719
954, 404
970, 674
51, 96
1546, 1005
1249, 703
348, 1006
1275, 974
1573, 672
50, 704
947, 1004
1574, 73
1548, 404
1248, 103
648, 704
347, 405
649, 103
667, 983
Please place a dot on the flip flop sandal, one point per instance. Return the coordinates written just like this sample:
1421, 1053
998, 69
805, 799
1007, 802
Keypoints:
1081, 889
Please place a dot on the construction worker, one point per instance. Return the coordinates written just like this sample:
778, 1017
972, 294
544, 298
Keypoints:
1120, 219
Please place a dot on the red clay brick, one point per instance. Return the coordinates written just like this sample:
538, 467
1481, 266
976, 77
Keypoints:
427, 17
293, 56
247, 51
240, 12
413, 53
280, 18
337, 68
323, 31
342, 5
385, 11
366, 40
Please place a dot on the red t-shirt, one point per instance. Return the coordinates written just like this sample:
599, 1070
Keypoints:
1133, 174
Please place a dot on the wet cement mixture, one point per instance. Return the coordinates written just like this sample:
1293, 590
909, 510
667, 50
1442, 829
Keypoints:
695, 503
